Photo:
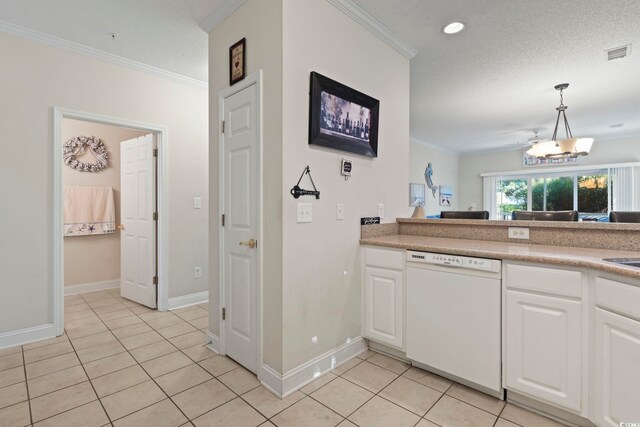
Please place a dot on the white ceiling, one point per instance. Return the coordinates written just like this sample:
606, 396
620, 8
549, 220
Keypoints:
475, 91
161, 33
481, 89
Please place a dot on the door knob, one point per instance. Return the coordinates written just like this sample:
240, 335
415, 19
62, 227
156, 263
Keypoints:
120, 227
251, 243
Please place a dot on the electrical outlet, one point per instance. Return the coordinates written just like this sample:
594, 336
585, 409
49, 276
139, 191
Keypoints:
304, 212
381, 210
197, 203
339, 211
197, 272
518, 233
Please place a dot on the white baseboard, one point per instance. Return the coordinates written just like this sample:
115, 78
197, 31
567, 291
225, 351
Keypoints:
187, 300
295, 379
213, 342
24, 336
91, 287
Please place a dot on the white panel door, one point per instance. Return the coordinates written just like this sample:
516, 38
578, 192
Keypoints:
617, 369
384, 305
240, 183
544, 347
138, 237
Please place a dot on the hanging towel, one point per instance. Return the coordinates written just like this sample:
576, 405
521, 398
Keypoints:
89, 211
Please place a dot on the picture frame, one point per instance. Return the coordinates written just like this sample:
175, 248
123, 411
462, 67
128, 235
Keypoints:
237, 62
342, 118
532, 161
417, 194
446, 195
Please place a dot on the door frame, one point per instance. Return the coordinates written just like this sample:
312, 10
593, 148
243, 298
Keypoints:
253, 79
162, 173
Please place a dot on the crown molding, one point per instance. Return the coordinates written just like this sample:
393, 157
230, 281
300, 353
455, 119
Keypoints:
216, 17
38, 37
432, 146
358, 14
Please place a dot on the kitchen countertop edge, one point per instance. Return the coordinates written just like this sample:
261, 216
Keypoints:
557, 255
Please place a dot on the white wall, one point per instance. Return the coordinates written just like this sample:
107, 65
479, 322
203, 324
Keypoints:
33, 79
471, 166
95, 258
445, 172
260, 22
321, 274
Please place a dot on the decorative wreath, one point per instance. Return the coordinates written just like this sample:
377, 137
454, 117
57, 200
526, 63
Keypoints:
77, 145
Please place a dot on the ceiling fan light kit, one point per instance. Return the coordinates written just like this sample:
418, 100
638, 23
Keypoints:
568, 147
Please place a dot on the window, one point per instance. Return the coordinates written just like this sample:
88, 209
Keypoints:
586, 191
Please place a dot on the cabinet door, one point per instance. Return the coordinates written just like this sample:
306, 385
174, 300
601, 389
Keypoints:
384, 306
617, 369
544, 348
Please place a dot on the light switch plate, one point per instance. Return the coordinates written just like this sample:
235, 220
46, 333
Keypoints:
304, 212
197, 203
197, 272
519, 233
339, 211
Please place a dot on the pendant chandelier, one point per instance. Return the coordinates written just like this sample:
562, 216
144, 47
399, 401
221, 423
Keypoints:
569, 147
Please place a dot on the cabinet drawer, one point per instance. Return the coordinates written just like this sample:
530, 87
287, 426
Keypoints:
548, 280
384, 258
618, 296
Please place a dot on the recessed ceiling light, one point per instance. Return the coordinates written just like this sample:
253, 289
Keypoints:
453, 28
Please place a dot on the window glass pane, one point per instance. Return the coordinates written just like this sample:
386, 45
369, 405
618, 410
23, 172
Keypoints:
552, 194
512, 196
537, 194
560, 194
593, 193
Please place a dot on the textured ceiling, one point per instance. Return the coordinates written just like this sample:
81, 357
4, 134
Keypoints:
162, 33
478, 90
483, 88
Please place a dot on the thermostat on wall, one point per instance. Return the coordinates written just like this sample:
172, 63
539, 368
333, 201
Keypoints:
346, 168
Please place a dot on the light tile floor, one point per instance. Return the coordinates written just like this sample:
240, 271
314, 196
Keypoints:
121, 364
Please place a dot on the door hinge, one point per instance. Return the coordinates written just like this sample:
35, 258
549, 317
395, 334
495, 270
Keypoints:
223, 218
224, 313
155, 280
155, 216
155, 152
222, 126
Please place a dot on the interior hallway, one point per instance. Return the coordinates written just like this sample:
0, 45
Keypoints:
123, 364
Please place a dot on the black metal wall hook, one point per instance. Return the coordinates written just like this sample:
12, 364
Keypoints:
296, 191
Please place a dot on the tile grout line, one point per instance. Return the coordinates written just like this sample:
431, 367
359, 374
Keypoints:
152, 379
26, 384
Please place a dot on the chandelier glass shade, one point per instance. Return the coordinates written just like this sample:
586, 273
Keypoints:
568, 147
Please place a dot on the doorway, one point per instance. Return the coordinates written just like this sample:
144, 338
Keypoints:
240, 231
140, 166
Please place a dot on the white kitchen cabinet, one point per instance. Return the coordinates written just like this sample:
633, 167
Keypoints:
616, 365
617, 369
543, 346
384, 305
383, 295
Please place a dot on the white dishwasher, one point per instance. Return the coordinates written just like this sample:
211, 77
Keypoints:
453, 317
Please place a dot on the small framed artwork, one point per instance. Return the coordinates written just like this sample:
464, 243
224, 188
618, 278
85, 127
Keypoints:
342, 118
446, 194
528, 161
416, 195
237, 62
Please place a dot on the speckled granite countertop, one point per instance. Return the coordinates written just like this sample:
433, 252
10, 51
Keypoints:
558, 255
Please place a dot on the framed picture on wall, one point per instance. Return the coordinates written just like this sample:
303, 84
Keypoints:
446, 194
416, 194
237, 62
342, 118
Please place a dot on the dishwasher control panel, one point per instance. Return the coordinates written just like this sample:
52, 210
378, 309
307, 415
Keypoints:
448, 260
